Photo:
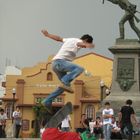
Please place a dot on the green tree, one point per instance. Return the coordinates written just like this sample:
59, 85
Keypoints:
40, 114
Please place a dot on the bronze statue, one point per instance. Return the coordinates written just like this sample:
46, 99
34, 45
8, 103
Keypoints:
130, 10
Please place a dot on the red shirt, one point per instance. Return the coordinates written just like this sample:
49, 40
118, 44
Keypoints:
55, 134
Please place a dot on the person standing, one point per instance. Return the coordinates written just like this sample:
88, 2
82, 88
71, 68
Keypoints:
17, 121
3, 118
62, 63
107, 115
127, 114
66, 124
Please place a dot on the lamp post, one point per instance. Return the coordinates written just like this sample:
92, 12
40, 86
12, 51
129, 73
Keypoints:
102, 84
14, 93
107, 91
0, 103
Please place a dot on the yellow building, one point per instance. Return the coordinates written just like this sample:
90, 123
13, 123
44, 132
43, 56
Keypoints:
39, 81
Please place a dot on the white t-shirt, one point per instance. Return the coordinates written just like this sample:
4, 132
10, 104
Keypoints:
17, 117
41, 132
69, 49
91, 124
16, 114
65, 122
3, 117
107, 112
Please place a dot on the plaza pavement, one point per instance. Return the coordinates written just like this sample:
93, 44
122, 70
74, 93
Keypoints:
20, 139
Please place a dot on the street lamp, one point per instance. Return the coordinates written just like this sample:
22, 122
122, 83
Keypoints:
102, 84
0, 103
107, 91
14, 93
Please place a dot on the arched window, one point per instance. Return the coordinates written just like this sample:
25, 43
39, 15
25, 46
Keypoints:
49, 76
89, 111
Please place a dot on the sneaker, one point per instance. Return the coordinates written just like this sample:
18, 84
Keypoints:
66, 88
48, 108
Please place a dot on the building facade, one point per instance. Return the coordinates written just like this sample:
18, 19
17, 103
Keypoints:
36, 83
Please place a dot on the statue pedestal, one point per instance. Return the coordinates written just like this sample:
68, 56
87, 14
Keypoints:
126, 74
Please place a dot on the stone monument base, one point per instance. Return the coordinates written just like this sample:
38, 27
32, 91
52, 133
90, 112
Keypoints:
126, 75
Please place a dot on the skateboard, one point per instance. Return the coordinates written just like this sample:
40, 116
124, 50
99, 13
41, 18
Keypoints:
57, 118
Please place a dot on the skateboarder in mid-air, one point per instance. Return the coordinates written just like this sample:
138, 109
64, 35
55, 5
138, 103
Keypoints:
62, 63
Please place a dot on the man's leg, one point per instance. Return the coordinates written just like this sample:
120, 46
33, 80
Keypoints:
130, 130
127, 131
73, 72
57, 67
121, 25
108, 131
66, 72
48, 100
0, 131
123, 133
17, 130
134, 27
105, 131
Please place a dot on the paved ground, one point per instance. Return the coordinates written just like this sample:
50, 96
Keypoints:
135, 138
20, 138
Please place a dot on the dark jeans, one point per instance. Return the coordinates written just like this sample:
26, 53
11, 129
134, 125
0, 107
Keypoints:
127, 129
2, 131
116, 135
80, 130
17, 129
98, 131
65, 129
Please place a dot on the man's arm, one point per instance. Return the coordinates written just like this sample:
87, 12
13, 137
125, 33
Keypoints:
106, 116
83, 123
69, 119
85, 45
70, 124
133, 116
119, 117
54, 37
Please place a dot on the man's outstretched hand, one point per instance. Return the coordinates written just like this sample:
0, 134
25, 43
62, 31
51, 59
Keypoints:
52, 36
45, 32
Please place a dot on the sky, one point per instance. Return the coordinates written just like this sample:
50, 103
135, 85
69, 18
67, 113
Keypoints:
21, 22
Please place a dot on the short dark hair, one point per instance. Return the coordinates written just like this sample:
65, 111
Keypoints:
107, 103
87, 38
1, 110
129, 102
83, 114
98, 117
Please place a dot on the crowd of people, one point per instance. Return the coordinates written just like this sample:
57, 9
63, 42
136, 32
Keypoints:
107, 126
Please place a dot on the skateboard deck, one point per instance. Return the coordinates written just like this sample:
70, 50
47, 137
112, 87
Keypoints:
59, 116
